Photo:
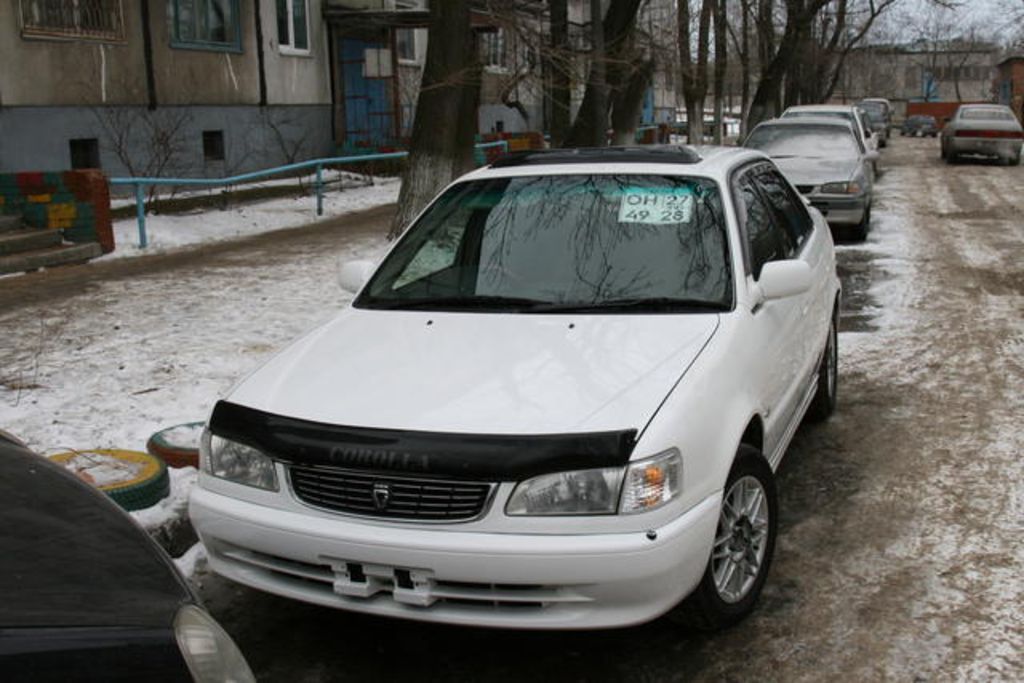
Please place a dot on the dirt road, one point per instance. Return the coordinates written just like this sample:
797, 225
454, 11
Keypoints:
901, 548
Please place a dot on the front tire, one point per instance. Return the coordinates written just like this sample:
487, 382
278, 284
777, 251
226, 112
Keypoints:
742, 550
824, 402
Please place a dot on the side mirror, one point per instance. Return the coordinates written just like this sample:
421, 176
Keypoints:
781, 279
352, 275
872, 155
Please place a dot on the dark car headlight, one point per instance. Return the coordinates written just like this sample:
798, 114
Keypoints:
209, 652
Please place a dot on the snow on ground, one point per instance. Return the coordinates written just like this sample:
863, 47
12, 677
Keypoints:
191, 559
202, 226
174, 506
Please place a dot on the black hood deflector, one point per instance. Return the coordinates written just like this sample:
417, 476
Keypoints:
485, 457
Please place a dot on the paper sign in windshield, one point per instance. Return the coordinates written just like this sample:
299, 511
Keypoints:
655, 208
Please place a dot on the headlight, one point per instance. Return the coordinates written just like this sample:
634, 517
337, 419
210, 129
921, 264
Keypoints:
652, 482
237, 462
639, 487
209, 652
841, 188
582, 492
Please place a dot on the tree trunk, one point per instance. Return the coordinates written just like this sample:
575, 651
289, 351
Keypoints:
766, 102
628, 102
560, 64
694, 73
721, 62
443, 131
591, 126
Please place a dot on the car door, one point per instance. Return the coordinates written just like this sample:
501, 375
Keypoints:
815, 305
774, 325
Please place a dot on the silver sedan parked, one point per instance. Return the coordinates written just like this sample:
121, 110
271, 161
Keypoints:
826, 161
986, 129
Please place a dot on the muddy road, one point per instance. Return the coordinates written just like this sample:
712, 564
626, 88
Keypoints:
901, 541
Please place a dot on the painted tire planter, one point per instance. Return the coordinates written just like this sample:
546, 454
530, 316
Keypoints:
134, 480
178, 446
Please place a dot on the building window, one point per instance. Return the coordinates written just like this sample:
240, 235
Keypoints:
293, 25
405, 43
89, 19
492, 49
85, 153
213, 145
206, 25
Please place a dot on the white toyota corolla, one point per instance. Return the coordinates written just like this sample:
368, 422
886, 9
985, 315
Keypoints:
558, 402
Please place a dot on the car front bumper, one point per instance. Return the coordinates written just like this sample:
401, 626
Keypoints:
840, 210
441, 574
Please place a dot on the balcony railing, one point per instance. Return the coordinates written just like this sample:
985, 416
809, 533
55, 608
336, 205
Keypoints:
90, 19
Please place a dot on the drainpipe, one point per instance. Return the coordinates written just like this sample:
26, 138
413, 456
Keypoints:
147, 55
259, 52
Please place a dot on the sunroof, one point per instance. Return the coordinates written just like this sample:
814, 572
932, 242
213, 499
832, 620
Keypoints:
667, 154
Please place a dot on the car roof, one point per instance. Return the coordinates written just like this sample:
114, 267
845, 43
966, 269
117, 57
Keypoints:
71, 557
821, 107
711, 161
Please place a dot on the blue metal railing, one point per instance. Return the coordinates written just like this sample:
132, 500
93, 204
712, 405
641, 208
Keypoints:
140, 184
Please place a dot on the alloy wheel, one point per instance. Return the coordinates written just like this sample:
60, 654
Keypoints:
740, 542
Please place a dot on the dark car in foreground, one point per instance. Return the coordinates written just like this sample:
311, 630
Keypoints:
87, 595
920, 125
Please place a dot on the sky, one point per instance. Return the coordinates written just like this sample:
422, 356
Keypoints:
1001, 18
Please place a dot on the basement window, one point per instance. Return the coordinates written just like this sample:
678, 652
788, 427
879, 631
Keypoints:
85, 153
213, 145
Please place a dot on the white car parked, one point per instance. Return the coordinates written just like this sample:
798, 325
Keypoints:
557, 403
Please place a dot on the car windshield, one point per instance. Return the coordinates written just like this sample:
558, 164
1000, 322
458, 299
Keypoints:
810, 141
986, 115
563, 243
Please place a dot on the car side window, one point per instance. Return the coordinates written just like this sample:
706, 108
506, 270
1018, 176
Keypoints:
788, 209
764, 238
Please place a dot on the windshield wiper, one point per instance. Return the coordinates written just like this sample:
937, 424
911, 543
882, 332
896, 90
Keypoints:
658, 304
459, 303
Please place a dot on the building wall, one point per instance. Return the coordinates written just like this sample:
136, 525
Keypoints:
297, 78
54, 91
1010, 85
899, 74
65, 72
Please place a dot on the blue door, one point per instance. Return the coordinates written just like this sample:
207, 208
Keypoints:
369, 113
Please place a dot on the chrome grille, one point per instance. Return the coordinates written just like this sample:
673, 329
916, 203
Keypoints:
386, 495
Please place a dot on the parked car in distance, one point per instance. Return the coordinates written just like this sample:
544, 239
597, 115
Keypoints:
989, 130
855, 115
826, 162
88, 596
558, 402
920, 125
879, 112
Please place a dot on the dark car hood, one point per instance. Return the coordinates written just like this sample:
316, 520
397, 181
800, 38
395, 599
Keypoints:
817, 170
71, 557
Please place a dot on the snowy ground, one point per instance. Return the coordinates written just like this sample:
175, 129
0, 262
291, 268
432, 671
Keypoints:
205, 226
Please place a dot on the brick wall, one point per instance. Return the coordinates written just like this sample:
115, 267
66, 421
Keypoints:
75, 202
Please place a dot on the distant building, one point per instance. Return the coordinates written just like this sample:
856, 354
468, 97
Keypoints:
954, 71
1009, 85
169, 87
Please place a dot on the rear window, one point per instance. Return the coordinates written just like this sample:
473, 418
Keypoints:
803, 140
986, 115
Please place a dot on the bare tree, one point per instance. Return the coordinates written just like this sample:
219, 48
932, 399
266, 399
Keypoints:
721, 63
147, 143
445, 122
694, 73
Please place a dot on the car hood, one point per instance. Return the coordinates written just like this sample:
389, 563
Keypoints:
480, 373
817, 170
